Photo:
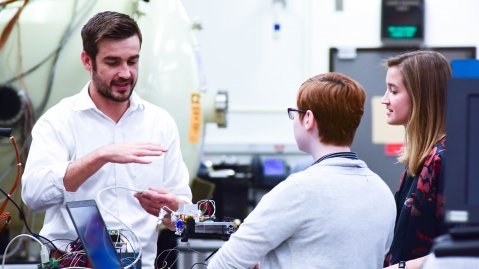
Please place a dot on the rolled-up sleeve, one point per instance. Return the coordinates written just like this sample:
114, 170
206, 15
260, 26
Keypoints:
48, 159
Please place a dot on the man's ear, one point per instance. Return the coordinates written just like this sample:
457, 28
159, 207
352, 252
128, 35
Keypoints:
308, 120
86, 61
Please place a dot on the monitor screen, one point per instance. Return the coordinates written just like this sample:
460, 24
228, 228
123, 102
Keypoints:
93, 233
273, 167
462, 151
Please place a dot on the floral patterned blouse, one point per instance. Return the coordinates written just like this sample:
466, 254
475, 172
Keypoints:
421, 217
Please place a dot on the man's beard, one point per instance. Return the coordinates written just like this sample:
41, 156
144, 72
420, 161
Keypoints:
105, 89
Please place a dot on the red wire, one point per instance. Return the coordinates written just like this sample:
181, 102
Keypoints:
17, 179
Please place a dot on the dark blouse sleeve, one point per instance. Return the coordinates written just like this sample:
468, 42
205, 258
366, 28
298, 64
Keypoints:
430, 186
422, 215
441, 227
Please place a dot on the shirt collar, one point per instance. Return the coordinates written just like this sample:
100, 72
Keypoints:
348, 155
85, 102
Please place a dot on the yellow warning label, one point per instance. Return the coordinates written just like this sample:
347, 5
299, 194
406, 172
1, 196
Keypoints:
195, 118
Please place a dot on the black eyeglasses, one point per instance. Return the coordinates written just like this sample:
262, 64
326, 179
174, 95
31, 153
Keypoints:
293, 111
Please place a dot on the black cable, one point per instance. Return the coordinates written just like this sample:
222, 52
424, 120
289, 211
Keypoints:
25, 221
55, 54
207, 258
197, 264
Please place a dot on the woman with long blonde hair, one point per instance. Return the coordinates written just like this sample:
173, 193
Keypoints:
416, 98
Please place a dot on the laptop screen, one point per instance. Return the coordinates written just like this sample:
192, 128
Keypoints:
93, 233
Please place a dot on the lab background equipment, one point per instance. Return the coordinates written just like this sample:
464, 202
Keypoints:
462, 172
460, 246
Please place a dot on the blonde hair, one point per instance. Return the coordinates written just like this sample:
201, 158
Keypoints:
425, 75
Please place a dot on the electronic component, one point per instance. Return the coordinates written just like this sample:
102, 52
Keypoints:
209, 229
198, 221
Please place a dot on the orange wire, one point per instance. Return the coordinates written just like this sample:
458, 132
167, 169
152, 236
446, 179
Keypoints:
17, 179
5, 3
7, 216
8, 29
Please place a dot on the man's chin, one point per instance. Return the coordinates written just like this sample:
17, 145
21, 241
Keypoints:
122, 97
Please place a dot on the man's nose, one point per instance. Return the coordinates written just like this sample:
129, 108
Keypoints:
124, 71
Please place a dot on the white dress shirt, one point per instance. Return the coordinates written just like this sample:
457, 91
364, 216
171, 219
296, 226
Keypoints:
75, 127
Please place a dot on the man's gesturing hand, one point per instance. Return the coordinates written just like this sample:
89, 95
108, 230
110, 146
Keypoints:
131, 152
80, 170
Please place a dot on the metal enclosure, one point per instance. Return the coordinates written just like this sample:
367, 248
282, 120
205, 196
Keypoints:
462, 170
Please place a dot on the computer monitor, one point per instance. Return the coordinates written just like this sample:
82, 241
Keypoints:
462, 144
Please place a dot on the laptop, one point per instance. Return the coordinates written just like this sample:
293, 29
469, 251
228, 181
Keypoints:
92, 231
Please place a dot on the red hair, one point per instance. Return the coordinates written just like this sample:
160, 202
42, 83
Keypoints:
337, 103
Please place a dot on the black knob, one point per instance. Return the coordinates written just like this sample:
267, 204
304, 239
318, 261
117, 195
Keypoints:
6, 132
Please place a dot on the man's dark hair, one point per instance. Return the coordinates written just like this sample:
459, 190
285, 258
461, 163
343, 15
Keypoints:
107, 25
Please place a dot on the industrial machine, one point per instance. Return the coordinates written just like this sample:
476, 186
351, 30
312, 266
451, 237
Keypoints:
40, 46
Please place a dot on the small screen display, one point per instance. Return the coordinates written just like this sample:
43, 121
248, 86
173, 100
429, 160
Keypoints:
402, 31
94, 236
402, 19
273, 167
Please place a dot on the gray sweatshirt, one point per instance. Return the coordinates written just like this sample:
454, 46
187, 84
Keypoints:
335, 214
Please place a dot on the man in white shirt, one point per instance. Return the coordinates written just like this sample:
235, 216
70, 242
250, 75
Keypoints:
335, 214
107, 136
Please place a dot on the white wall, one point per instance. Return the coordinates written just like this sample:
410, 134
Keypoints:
447, 24
262, 74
